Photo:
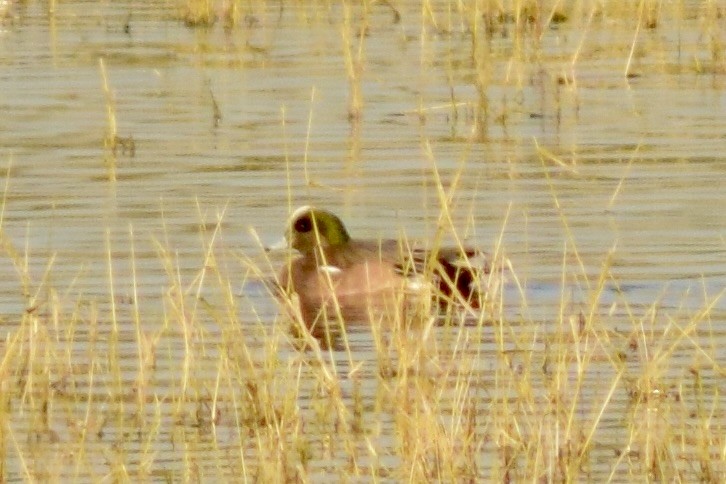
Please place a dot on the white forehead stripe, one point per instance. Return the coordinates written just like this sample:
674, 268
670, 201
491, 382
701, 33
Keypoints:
299, 211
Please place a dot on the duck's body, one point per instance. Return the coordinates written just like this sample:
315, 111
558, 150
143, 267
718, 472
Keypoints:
337, 275
348, 281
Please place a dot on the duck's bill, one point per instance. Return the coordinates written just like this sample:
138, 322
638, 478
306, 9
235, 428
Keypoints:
278, 245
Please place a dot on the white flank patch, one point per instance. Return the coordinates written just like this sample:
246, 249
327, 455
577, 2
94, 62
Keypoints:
416, 284
332, 270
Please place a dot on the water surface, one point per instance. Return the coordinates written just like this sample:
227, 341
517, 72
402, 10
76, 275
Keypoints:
574, 167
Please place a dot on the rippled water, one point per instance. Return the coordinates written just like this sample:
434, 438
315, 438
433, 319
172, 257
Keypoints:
574, 161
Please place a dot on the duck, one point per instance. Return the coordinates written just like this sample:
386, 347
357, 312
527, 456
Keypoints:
337, 276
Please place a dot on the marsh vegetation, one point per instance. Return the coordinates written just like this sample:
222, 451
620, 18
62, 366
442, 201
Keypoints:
150, 151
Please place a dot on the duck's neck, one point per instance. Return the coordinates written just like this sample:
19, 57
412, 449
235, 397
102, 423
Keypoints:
330, 254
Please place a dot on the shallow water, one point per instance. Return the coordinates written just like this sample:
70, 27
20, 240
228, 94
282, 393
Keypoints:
633, 166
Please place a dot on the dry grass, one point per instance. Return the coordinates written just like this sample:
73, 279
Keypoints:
198, 382
202, 388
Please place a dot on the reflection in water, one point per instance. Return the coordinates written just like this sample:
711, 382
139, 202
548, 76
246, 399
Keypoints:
139, 339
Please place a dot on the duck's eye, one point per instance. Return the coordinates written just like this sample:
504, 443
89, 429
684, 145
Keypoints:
303, 225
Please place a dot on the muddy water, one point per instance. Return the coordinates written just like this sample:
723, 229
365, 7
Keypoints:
572, 162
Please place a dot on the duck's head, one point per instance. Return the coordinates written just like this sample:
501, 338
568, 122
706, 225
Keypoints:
310, 227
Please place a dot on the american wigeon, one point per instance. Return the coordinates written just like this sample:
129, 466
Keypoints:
336, 275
